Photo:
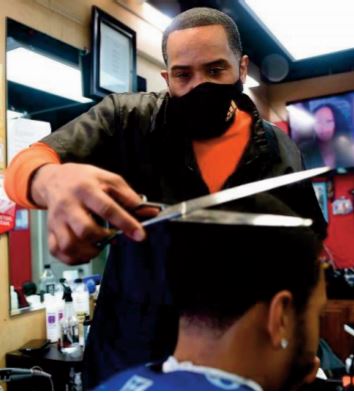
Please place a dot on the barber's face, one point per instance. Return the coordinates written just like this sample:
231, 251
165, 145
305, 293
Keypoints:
303, 366
198, 55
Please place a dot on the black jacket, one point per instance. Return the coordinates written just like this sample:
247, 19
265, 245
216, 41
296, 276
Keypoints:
135, 321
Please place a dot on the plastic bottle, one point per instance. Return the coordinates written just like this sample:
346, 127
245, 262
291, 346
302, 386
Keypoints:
71, 380
77, 381
47, 281
52, 320
91, 286
86, 326
81, 297
80, 273
69, 340
70, 276
81, 300
14, 298
59, 295
59, 288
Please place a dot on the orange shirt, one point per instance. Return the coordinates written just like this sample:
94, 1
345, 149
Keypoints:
217, 159
18, 174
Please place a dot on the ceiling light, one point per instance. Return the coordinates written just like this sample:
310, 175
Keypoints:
43, 73
155, 17
307, 28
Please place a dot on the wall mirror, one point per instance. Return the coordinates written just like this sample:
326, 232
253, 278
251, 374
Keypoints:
44, 91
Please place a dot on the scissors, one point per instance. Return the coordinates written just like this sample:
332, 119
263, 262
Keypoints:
194, 210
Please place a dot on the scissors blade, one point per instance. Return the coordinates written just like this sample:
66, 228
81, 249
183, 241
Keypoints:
232, 194
224, 196
225, 217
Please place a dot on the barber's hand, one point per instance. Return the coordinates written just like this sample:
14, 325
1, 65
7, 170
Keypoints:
73, 193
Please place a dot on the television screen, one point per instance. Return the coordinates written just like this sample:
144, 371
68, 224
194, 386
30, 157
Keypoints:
323, 129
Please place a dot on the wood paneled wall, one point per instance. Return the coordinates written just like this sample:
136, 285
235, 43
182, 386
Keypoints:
336, 314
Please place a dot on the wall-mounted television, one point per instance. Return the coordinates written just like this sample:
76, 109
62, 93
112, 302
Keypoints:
112, 57
323, 129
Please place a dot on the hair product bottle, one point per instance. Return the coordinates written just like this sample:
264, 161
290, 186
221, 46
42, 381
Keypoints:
69, 340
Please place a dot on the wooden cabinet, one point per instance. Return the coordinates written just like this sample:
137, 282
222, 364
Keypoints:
336, 314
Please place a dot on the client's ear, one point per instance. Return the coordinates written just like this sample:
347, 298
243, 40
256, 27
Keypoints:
280, 319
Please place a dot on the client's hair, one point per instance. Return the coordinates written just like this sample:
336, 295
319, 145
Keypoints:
218, 272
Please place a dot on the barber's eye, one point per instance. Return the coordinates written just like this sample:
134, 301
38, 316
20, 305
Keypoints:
215, 71
182, 75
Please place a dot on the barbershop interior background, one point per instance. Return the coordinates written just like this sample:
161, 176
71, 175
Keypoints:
287, 88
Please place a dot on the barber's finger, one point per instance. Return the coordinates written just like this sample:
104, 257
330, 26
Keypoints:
120, 190
65, 246
65, 239
55, 250
105, 207
84, 227
146, 211
84, 254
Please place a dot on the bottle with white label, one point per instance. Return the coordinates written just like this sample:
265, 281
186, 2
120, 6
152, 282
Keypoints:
81, 299
52, 320
59, 296
47, 281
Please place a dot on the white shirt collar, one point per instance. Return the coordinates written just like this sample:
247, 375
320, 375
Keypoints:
172, 364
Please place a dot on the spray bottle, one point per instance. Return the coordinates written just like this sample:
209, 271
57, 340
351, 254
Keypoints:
69, 340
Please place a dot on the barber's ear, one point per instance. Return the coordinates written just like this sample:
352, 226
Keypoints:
280, 318
164, 74
244, 68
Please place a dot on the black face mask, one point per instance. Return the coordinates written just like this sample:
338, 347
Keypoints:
205, 112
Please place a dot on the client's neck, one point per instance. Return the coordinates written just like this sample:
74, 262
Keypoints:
235, 350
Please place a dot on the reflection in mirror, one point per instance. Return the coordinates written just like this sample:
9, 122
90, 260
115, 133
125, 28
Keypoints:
44, 91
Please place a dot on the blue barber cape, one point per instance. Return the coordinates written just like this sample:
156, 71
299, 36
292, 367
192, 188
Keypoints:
151, 377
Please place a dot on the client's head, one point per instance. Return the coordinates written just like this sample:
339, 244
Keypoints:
249, 296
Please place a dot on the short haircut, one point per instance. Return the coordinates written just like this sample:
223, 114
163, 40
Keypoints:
218, 272
202, 16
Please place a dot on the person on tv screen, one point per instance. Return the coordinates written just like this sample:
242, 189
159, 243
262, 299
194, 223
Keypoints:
331, 144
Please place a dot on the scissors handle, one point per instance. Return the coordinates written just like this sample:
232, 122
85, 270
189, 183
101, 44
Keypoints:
145, 204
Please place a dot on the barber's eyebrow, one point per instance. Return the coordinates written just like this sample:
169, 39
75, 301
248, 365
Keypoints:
218, 62
214, 63
180, 67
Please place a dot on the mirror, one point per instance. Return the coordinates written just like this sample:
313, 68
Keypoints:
44, 92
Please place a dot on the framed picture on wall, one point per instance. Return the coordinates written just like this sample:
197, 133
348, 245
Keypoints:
113, 56
322, 197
